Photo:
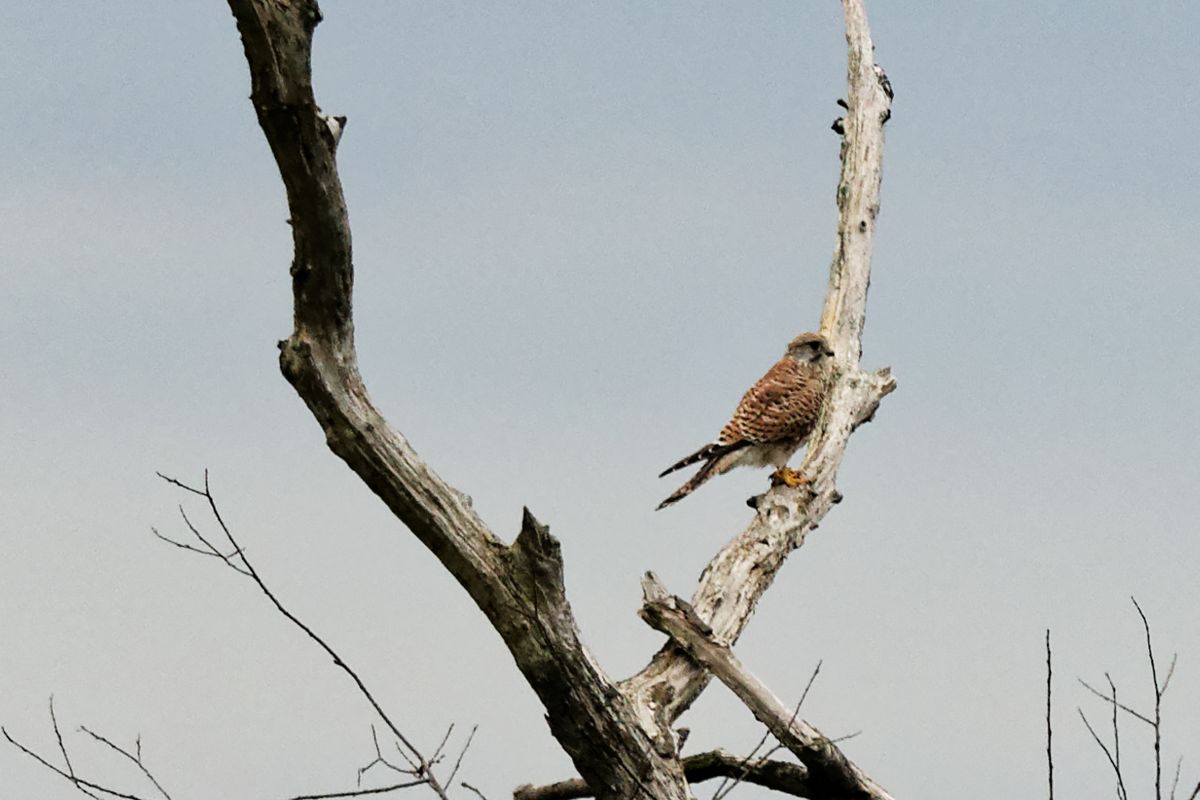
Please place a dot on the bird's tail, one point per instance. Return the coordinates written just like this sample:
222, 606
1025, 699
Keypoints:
725, 458
706, 472
710, 452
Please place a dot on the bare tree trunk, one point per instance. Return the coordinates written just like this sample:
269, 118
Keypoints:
617, 734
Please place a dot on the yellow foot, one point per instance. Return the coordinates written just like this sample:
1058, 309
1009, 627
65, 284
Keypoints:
788, 477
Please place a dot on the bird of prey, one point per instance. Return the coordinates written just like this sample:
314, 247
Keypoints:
771, 422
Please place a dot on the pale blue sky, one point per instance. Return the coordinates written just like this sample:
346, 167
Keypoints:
581, 230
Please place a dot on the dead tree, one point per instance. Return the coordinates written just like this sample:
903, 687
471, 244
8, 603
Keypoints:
618, 733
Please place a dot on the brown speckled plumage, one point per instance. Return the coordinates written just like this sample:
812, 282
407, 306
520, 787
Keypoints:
774, 418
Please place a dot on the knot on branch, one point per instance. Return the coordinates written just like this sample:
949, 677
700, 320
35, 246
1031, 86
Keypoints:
334, 126
537, 556
295, 354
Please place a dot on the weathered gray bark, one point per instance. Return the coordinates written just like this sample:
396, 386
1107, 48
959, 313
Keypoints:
737, 577
617, 735
830, 773
778, 775
518, 587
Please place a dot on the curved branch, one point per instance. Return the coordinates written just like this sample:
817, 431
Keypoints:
782, 776
520, 587
744, 569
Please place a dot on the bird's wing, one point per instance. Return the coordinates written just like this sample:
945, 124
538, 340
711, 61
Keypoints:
783, 403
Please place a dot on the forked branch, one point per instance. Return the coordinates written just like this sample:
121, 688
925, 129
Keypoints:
91, 788
830, 773
237, 560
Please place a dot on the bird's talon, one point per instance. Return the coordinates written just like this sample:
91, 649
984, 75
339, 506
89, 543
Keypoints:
785, 476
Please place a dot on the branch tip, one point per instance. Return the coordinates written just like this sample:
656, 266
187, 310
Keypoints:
653, 590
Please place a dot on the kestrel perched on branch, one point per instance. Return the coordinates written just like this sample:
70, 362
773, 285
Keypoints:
773, 420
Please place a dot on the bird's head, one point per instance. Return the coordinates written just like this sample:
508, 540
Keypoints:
809, 347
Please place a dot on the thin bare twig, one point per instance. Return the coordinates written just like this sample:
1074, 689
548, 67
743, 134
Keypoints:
461, 753
83, 785
437, 754
228, 559
423, 765
379, 759
136, 759
729, 783
80, 783
1108, 699
1170, 672
1158, 693
415, 771
204, 552
1121, 794
722, 791
184, 486
1175, 782
1195, 793
416, 768
471, 788
1049, 729
1116, 729
361, 792
807, 686
62, 748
